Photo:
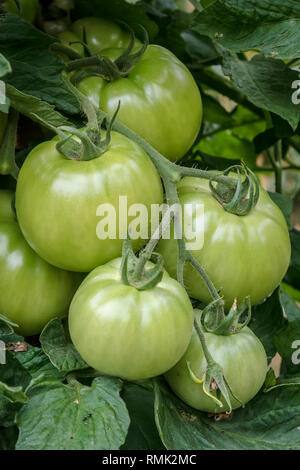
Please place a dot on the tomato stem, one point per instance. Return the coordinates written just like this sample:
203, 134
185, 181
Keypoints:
70, 53
103, 66
8, 164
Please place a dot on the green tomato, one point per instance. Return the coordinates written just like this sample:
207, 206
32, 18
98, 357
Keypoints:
29, 8
130, 333
31, 290
57, 201
159, 98
244, 363
242, 255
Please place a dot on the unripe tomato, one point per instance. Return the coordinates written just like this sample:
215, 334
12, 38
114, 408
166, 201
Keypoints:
159, 97
130, 333
57, 201
244, 363
243, 255
31, 290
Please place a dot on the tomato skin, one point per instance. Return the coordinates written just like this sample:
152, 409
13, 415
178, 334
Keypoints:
31, 290
57, 200
244, 363
128, 333
29, 8
242, 255
159, 98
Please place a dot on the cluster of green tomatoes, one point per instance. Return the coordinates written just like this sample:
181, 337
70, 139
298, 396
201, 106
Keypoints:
52, 263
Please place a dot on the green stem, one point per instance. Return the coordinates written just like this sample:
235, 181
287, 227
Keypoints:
82, 62
168, 170
274, 155
7, 149
294, 144
208, 356
185, 256
58, 47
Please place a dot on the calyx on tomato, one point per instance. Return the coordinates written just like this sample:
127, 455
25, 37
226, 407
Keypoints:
236, 249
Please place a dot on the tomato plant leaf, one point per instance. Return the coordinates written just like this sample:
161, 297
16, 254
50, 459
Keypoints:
21, 367
61, 353
267, 321
11, 399
266, 82
70, 417
228, 146
36, 363
34, 107
5, 66
264, 25
13, 394
142, 433
8, 438
35, 69
251, 428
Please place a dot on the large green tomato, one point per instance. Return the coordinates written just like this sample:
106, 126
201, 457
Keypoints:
242, 255
31, 290
244, 363
159, 98
57, 201
130, 333
29, 8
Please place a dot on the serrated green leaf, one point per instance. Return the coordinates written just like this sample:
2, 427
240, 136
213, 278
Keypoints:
293, 275
142, 433
291, 291
266, 82
267, 320
265, 25
74, 417
36, 363
8, 438
11, 399
36, 69
5, 67
270, 421
288, 340
225, 144
61, 353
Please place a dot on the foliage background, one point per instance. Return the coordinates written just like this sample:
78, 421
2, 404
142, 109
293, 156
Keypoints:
244, 56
